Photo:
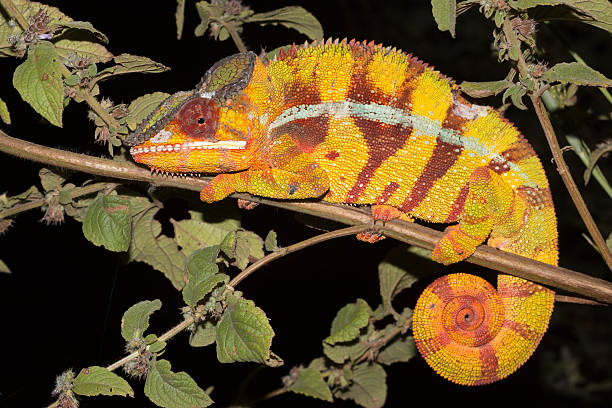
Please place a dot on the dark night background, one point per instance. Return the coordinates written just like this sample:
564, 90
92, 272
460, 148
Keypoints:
62, 305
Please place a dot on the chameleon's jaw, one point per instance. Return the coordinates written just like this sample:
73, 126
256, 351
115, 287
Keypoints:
188, 146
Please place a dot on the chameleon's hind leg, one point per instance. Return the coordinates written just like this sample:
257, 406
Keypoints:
489, 199
382, 212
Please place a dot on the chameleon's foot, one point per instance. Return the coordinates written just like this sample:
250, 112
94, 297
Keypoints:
370, 236
246, 204
388, 212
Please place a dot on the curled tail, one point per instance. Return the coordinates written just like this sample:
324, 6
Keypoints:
468, 332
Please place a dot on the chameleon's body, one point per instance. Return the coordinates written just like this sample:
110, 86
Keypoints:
361, 124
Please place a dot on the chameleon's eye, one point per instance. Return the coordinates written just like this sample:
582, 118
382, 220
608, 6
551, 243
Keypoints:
198, 118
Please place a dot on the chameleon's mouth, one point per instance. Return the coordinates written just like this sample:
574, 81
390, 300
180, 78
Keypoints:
194, 145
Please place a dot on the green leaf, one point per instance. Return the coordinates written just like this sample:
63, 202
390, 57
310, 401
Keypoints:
206, 11
393, 275
516, 94
244, 246
595, 155
204, 229
270, 242
609, 241
368, 386
96, 52
127, 64
80, 25
157, 346
99, 381
152, 248
142, 107
576, 73
4, 267
39, 82
203, 335
50, 180
340, 352
309, 382
179, 16
597, 13
202, 274
445, 14
108, 223
349, 321
4, 113
173, 390
484, 89
293, 17
243, 333
583, 152
135, 320
401, 349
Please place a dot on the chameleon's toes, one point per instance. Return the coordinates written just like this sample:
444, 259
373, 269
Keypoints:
246, 204
370, 237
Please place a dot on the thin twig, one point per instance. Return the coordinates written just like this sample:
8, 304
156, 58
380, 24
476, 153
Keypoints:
231, 29
411, 233
15, 13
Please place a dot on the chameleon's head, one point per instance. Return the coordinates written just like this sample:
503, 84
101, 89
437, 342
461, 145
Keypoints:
207, 130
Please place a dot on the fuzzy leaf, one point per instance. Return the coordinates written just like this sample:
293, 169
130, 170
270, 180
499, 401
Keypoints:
393, 276
81, 25
127, 64
4, 267
135, 320
173, 390
244, 246
243, 333
157, 346
348, 322
576, 73
204, 335
86, 49
595, 155
597, 13
39, 82
4, 113
204, 230
484, 89
152, 248
340, 352
108, 223
202, 274
179, 16
50, 180
309, 382
99, 381
368, 386
445, 14
293, 17
206, 11
401, 349
583, 152
270, 242
143, 106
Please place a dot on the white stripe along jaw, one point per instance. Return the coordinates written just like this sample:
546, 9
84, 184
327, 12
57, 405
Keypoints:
195, 145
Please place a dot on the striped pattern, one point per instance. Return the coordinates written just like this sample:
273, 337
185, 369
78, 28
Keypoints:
352, 122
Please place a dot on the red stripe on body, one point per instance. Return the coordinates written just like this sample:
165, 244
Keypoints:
488, 365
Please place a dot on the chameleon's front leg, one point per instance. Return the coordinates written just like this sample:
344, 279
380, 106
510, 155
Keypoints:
488, 201
289, 173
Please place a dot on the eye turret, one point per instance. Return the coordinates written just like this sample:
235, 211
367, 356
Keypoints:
198, 118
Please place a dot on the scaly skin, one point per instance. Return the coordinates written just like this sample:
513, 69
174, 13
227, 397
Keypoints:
361, 124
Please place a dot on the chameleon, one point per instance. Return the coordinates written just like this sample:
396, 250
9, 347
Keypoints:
362, 124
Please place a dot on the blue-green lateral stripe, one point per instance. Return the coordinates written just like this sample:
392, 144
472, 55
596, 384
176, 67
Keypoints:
390, 115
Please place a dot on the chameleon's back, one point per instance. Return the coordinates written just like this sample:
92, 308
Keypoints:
390, 130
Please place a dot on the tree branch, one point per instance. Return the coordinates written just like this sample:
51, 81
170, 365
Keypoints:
411, 233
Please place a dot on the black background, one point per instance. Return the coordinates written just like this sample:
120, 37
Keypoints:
62, 305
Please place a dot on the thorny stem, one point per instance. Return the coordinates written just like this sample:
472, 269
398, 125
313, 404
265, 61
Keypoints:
14, 12
410, 233
78, 192
100, 111
562, 167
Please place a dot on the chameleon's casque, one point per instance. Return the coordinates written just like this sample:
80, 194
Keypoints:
358, 123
